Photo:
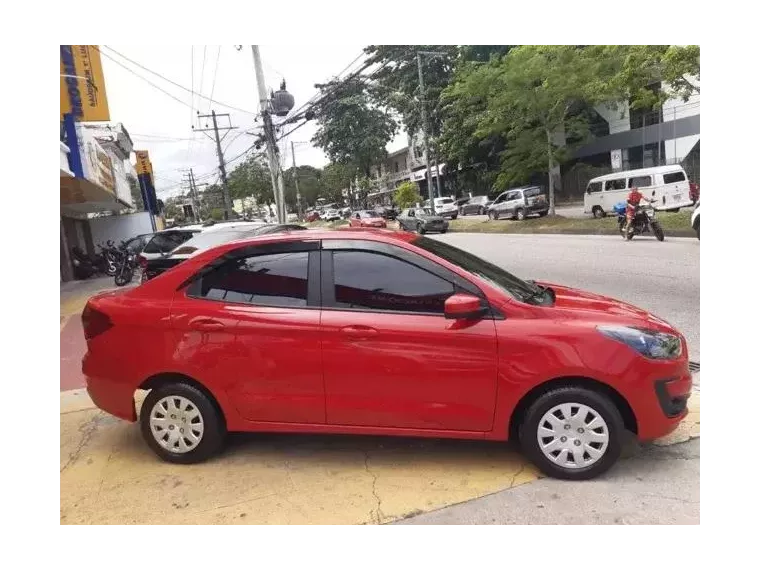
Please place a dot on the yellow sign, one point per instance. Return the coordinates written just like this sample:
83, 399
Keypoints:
143, 163
83, 88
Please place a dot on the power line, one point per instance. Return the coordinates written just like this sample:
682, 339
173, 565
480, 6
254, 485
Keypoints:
174, 82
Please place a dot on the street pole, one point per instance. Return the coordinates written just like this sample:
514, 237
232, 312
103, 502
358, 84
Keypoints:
272, 153
425, 129
220, 156
295, 179
194, 198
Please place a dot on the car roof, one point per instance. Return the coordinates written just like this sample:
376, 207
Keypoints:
639, 172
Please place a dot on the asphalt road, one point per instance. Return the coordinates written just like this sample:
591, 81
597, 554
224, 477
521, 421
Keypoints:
662, 277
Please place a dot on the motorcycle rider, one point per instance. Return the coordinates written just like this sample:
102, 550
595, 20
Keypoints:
632, 205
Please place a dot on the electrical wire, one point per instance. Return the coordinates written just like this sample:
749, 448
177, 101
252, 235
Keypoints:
170, 81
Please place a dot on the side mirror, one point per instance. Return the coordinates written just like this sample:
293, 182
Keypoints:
463, 306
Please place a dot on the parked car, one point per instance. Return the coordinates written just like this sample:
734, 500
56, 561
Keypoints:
366, 219
387, 212
164, 241
151, 268
331, 215
698, 220
459, 202
422, 220
312, 216
449, 346
475, 205
669, 183
519, 203
445, 207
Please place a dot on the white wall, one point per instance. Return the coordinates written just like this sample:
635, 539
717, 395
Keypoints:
119, 228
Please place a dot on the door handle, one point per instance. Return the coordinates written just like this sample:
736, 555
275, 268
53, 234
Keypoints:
206, 325
359, 331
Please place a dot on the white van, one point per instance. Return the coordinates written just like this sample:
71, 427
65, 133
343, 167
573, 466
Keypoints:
669, 184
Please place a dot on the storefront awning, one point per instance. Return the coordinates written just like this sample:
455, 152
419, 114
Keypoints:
80, 196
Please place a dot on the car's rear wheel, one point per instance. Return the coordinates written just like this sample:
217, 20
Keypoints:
181, 424
572, 433
598, 212
520, 214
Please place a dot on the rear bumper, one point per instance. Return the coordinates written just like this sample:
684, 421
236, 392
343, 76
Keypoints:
537, 208
115, 398
448, 214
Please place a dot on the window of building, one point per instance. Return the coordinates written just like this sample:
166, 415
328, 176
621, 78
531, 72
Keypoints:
396, 163
279, 280
639, 181
367, 280
673, 177
617, 184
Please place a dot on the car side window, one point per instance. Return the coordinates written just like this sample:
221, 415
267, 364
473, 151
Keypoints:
500, 198
617, 184
377, 282
410, 213
673, 177
639, 181
594, 187
274, 280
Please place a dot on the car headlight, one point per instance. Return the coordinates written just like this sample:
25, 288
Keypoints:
652, 344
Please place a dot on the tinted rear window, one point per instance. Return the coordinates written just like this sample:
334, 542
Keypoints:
618, 184
672, 177
530, 192
639, 181
595, 187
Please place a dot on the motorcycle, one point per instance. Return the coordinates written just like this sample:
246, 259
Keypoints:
126, 270
644, 221
84, 266
111, 258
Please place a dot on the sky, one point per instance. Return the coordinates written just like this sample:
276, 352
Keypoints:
161, 124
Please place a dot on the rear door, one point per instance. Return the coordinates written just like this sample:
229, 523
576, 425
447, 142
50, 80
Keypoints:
251, 326
675, 190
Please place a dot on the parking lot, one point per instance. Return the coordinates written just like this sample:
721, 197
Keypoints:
108, 475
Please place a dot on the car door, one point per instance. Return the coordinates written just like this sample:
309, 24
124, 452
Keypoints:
406, 219
391, 358
499, 202
355, 220
506, 208
252, 326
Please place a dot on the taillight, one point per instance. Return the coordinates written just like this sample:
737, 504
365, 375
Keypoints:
94, 322
142, 261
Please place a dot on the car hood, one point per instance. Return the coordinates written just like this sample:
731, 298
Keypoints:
372, 220
583, 304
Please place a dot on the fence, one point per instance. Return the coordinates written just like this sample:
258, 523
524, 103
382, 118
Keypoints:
576, 179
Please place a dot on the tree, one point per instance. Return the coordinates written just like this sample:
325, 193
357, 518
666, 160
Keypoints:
336, 177
134, 189
352, 131
251, 178
407, 195
309, 185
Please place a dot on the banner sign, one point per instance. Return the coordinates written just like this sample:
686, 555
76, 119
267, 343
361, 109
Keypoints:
83, 88
145, 178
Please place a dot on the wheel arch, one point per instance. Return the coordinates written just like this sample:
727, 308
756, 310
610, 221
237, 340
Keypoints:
164, 378
516, 418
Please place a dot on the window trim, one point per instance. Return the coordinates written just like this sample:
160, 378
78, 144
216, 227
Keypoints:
313, 293
460, 285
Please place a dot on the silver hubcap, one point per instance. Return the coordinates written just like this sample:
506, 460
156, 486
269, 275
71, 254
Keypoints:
176, 424
573, 435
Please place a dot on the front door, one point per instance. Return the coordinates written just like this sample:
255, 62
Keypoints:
264, 308
391, 358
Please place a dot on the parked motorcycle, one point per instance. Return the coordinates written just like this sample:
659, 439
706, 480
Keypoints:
126, 270
111, 258
644, 221
84, 266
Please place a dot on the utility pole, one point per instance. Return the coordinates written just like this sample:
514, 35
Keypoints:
295, 179
220, 155
272, 152
194, 198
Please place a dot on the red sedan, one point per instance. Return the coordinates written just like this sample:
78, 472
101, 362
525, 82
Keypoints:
267, 334
366, 219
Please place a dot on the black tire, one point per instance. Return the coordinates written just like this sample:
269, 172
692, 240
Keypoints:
214, 430
696, 226
454, 217
481, 211
420, 229
658, 233
542, 214
600, 404
120, 279
597, 212
520, 214
493, 215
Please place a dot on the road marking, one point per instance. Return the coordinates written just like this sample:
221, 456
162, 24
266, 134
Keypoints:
277, 478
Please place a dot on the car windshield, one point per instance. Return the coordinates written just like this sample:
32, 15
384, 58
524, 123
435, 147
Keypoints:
206, 240
423, 212
530, 192
444, 201
370, 214
494, 275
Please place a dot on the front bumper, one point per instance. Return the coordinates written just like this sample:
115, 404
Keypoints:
662, 406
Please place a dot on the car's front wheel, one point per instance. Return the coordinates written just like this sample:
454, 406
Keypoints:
181, 424
572, 433
420, 229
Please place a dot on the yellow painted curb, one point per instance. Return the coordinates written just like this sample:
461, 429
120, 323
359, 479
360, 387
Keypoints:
109, 476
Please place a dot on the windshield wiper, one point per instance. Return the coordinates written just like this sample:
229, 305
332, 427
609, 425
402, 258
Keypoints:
539, 291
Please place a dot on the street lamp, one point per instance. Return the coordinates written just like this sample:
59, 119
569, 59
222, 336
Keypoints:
425, 125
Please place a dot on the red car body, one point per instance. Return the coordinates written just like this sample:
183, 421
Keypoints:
366, 220
312, 216
295, 369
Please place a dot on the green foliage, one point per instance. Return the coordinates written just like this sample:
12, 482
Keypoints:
353, 131
217, 214
336, 177
251, 178
406, 195
309, 185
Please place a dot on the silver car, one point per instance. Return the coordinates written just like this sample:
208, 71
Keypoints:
421, 220
519, 203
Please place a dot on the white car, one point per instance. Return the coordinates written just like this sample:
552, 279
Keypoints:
446, 208
331, 215
698, 220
